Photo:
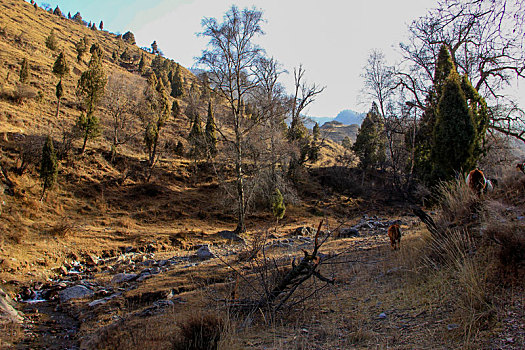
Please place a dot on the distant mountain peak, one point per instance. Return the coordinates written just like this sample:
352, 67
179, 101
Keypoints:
349, 117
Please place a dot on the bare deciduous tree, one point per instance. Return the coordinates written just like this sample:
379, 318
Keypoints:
123, 97
231, 59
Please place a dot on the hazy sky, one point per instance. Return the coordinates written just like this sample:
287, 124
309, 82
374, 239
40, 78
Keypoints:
331, 38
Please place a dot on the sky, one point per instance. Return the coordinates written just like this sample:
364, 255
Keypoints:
330, 38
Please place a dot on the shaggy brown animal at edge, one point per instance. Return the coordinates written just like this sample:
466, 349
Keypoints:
477, 182
394, 233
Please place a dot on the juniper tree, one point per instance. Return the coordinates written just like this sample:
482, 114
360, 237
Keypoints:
196, 136
177, 86
210, 134
175, 109
96, 48
57, 11
454, 134
25, 74
125, 57
51, 41
90, 88
370, 141
423, 139
60, 69
277, 205
157, 113
81, 47
154, 47
48, 166
142, 65
101, 25
78, 18
313, 153
463, 121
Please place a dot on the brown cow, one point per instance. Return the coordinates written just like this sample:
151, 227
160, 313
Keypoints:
394, 233
476, 181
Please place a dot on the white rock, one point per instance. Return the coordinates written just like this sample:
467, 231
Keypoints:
75, 292
204, 253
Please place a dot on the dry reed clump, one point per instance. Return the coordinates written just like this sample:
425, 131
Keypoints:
465, 259
459, 206
200, 332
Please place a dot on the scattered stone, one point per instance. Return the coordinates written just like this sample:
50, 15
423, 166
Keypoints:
75, 292
382, 315
123, 277
452, 326
204, 253
303, 231
92, 260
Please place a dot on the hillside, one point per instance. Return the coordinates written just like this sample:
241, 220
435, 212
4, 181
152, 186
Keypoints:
124, 253
337, 131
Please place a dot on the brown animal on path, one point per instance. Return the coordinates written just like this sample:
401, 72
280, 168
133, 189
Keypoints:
394, 232
476, 181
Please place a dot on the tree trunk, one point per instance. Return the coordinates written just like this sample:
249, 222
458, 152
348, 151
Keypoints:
241, 227
85, 142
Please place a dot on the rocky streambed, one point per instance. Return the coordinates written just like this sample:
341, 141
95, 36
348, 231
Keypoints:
54, 311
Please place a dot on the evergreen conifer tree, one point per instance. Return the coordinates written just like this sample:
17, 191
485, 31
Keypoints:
470, 124
125, 57
25, 74
370, 142
154, 47
454, 132
57, 11
101, 25
277, 204
196, 137
160, 108
175, 109
81, 47
91, 88
142, 65
211, 137
51, 41
60, 69
48, 166
313, 152
177, 86
78, 18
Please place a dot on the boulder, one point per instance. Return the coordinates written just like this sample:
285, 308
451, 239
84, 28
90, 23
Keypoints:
75, 292
232, 236
7, 310
204, 253
123, 277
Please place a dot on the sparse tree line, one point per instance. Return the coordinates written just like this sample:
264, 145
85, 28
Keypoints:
236, 122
